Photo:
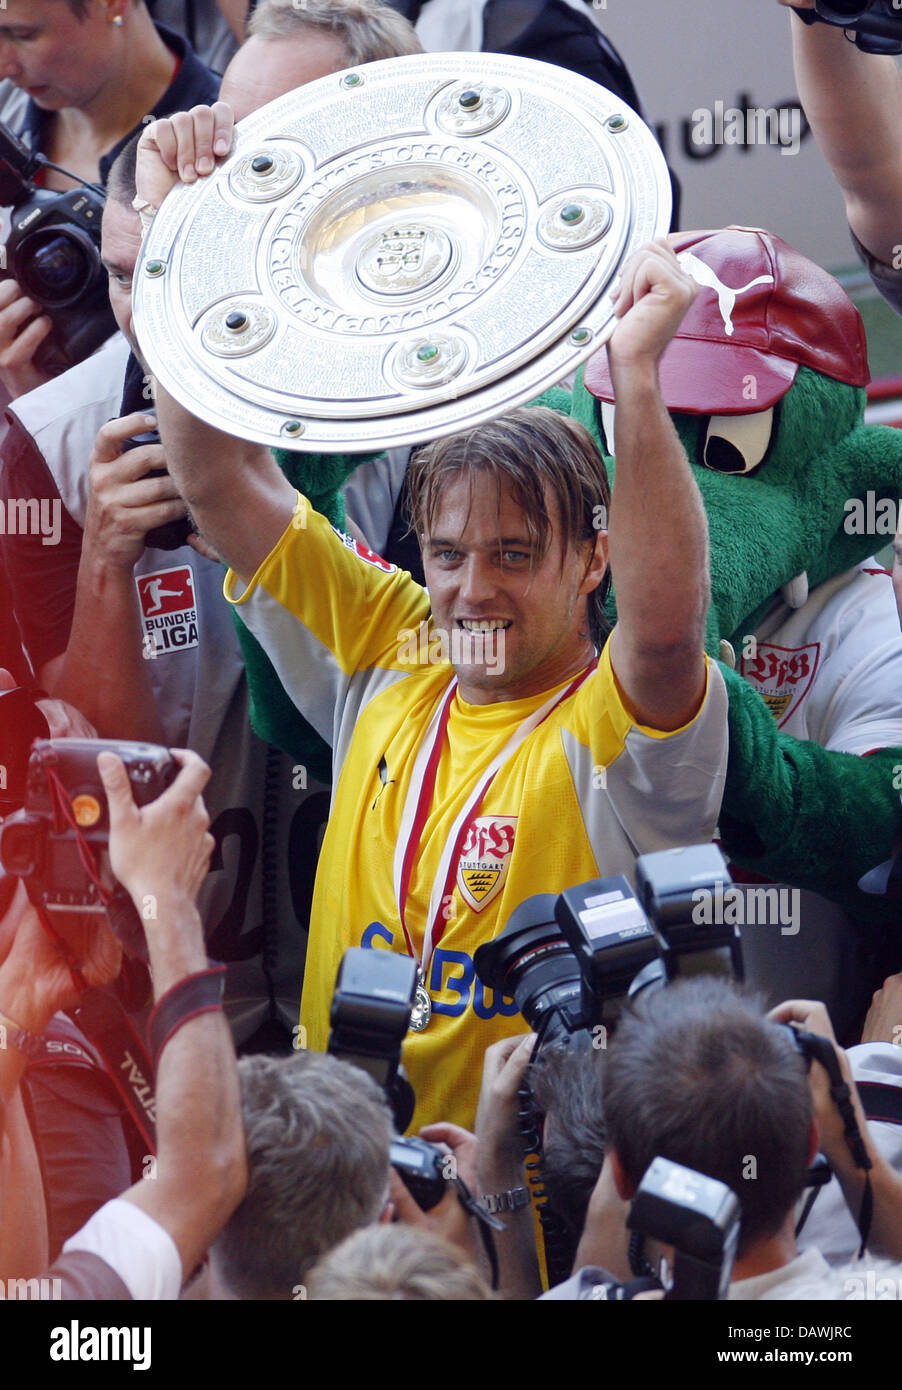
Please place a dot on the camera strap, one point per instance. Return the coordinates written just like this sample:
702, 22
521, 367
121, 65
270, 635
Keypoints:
416, 812
105, 1023
487, 1223
823, 1051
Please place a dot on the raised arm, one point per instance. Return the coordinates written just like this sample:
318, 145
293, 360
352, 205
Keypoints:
234, 489
658, 540
161, 853
853, 102
123, 505
886, 1185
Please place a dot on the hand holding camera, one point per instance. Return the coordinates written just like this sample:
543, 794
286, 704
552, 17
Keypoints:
875, 24
36, 980
52, 268
161, 849
812, 1017
23, 328
497, 1127
131, 494
449, 1218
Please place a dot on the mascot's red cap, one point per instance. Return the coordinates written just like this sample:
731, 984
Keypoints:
761, 312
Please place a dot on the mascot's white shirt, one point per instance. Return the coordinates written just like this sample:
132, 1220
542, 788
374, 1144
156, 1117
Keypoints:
831, 671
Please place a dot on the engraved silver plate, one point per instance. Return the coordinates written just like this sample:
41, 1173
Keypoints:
389, 260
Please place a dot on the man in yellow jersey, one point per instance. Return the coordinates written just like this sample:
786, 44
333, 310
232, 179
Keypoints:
480, 753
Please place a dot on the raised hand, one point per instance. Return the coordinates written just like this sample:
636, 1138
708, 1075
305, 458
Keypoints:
23, 328
124, 504
182, 148
652, 296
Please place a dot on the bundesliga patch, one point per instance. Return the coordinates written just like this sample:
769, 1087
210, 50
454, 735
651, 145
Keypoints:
168, 610
484, 862
364, 553
782, 675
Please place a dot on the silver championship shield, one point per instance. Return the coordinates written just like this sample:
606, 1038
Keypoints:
399, 251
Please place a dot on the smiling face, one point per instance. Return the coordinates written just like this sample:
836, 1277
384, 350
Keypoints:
486, 572
59, 59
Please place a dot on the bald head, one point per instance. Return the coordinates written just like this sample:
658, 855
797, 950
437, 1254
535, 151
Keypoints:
264, 69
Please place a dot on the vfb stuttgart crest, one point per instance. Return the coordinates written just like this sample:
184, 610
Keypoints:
782, 675
484, 861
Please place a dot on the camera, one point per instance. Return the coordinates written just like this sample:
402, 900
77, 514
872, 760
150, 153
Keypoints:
562, 959
59, 841
370, 1016
699, 1217
569, 963
53, 250
876, 24
422, 1166
173, 534
696, 1215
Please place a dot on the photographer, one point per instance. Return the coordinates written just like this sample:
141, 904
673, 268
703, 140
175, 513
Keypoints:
874, 1064
317, 1133
144, 1244
853, 102
697, 1074
80, 76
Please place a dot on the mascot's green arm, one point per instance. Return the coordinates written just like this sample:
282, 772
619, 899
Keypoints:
274, 716
797, 813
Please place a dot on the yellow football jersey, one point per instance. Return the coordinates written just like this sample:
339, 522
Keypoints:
586, 792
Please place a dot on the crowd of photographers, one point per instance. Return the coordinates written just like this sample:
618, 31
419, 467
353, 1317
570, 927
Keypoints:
265, 1168
695, 1145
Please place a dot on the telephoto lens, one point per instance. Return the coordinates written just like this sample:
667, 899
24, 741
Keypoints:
532, 962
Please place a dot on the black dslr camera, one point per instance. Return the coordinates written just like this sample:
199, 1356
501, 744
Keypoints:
374, 992
59, 841
172, 535
563, 959
876, 24
53, 250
